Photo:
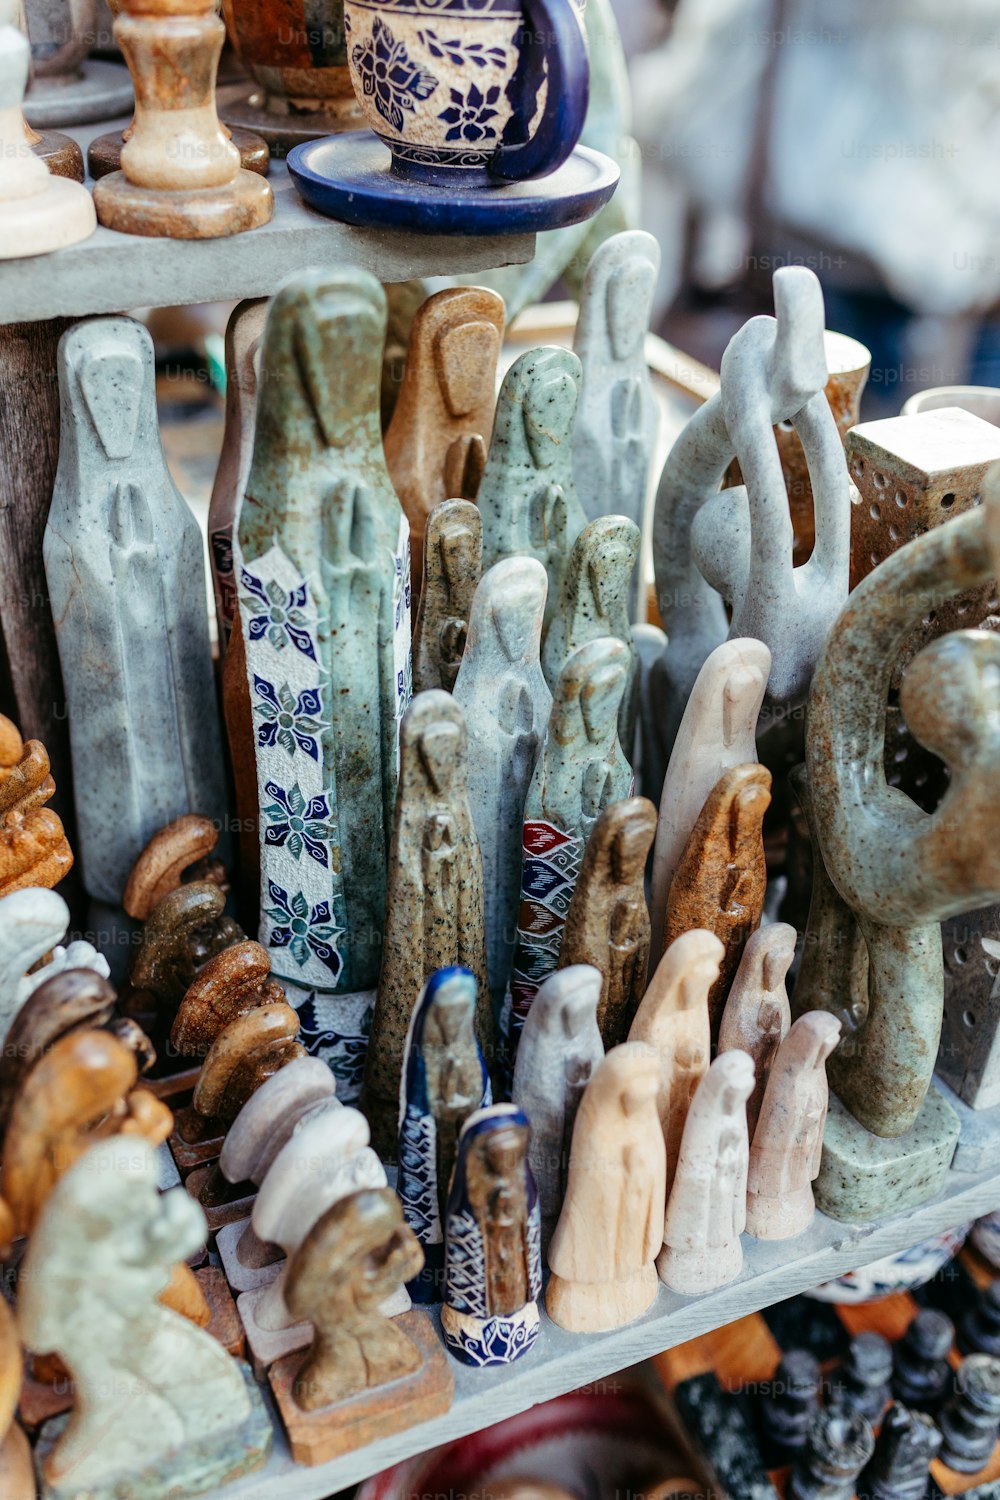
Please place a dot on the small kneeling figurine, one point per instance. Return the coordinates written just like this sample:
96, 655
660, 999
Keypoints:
493, 1261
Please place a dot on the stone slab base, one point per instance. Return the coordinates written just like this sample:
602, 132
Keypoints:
188, 1146
219, 1214
862, 1175
979, 1132
240, 1277
267, 1345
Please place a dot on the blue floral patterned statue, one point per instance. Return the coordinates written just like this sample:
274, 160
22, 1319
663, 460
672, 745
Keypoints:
493, 1259
445, 1081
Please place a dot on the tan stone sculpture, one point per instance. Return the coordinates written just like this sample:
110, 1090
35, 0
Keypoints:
757, 1014
34, 849
183, 931
179, 851
453, 562
73, 1000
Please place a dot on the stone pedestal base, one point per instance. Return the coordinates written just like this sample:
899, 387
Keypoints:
862, 1175
100, 91
104, 154
268, 1345
979, 1132
60, 153
691, 1272
236, 1207
597, 1307
195, 214
194, 1141
244, 1278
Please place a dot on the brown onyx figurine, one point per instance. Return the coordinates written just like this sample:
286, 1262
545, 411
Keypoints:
180, 850
34, 849
440, 430
71, 1001
183, 931
453, 562
720, 880
180, 177
608, 920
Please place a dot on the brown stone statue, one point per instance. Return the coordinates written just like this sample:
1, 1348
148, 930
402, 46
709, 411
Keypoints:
71, 1001
434, 908
184, 930
180, 851
453, 562
608, 920
34, 850
720, 880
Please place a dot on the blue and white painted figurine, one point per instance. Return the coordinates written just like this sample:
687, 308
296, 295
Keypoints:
493, 1259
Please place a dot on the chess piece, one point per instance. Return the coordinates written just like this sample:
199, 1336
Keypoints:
788, 1139
607, 924
434, 909
602, 1255
618, 417
838, 1446
71, 1000
180, 851
706, 1209
436, 443
580, 771
444, 1081
595, 602
921, 1372
673, 1019
788, 1404
979, 1325
735, 546
493, 1264
363, 1377
717, 733
757, 1015
34, 849
60, 153
862, 1381
320, 552
527, 496
560, 1048
180, 175
452, 565
68, 87
183, 931
970, 1422
899, 1468
32, 921
507, 704
124, 565
158, 1402
721, 876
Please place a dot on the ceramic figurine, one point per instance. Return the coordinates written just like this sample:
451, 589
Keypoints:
70, 1000
453, 563
970, 1423
707, 1206
595, 602
180, 851
38, 211
673, 1019
904, 1449
560, 1048
436, 443
67, 86
609, 1232
183, 931
720, 877
757, 1013
839, 1445
180, 173
493, 1263
580, 771
788, 1139
321, 554
444, 1081
507, 705
607, 924
713, 547
717, 733
434, 911
527, 496
34, 849
618, 417
160, 1406
125, 571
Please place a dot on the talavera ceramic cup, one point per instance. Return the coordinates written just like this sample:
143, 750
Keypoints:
470, 92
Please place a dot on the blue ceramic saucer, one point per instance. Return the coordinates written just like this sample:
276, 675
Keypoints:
349, 177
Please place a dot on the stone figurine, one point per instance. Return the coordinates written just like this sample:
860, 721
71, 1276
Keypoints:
445, 1080
507, 704
434, 914
618, 417
979, 1324
707, 1206
838, 1446
559, 1050
970, 1422
788, 1139
922, 1375
182, 850
607, 924
321, 556
580, 771
493, 1266
673, 1019
71, 999
899, 1467
787, 1405
34, 849
862, 1380
126, 577
33, 922
453, 564
184, 930
717, 733
602, 1255
68, 87
595, 602
527, 496
757, 1015
735, 546
159, 1402
721, 877
436, 443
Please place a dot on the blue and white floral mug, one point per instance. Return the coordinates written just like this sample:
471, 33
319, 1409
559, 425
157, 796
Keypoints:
470, 92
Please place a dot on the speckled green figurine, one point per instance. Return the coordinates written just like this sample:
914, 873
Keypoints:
899, 870
527, 497
323, 567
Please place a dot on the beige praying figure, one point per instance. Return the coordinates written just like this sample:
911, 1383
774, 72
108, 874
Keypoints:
757, 1014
